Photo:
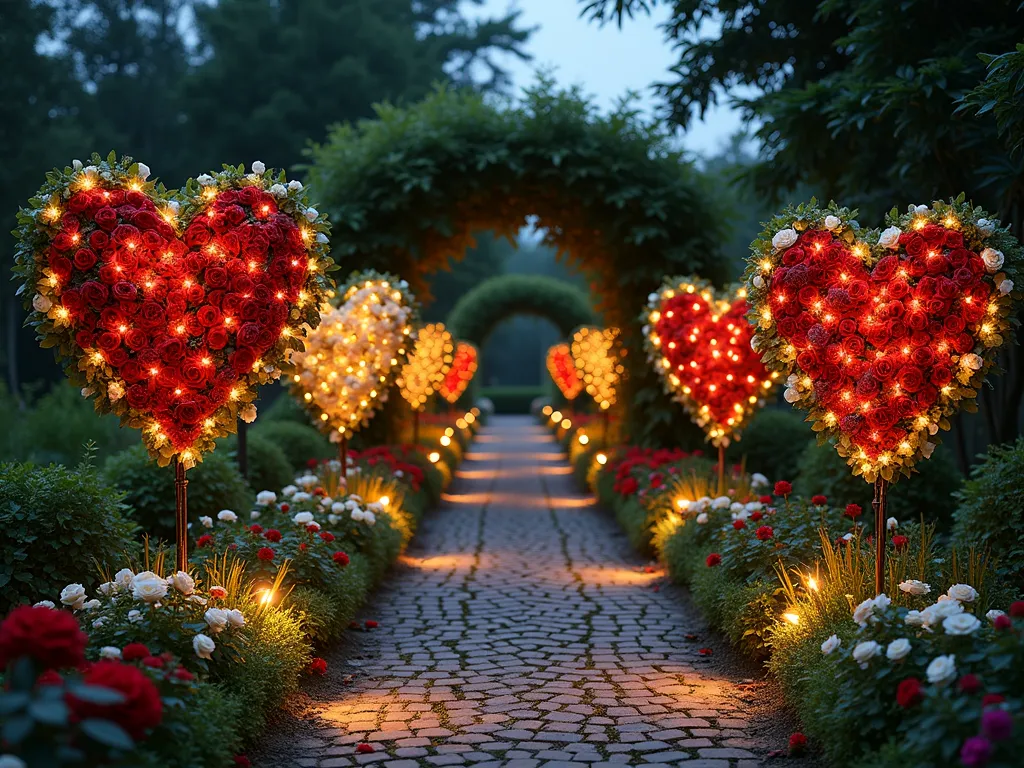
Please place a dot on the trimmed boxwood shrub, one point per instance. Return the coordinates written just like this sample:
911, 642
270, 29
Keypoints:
299, 442
284, 408
991, 510
928, 492
269, 468
771, 444
213, 485
56, 524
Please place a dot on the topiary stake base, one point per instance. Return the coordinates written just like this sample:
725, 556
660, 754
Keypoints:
878, 504
180, 515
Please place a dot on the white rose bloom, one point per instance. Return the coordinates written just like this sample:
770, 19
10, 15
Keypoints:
965, 593
227, 516
722, 502
1005, 287
830, 645
913, 619
76, 164
921, 209
248, 413
892, 524
993, 259
294, 185
110, 652
935, 614
197, 599
216, 619
334, 519
737, 507
369, 518
311, 214
986, 227
124, 577
41, 304
115, 391
236, 618
143, 171
882, 601
832, 222
288, 491
942, 669
915, 587
258, 167
321, 238
207, 522
135, 616
865, 651
741, 515
702, 518
11, 761
898, 649
927, 449
961, 624
206, 180
203, 646
107, 588
972, 361
182, 582
278, 190
994, 614
91, 605
303, 518
754, 506
847, 537
326, 502
863, 612
758, 480
790, 395
301, 496
890, 238
45, 604
266, 498
338, 507
783, 239
149, 587
307, 481
758, 282
357, 515
73, 596
175, 207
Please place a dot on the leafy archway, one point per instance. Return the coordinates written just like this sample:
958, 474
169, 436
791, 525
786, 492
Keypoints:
406, 193
477, 313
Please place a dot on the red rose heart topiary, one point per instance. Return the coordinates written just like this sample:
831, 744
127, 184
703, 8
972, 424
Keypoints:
699, 343
171, 308
464, 365
564, 372
883, 335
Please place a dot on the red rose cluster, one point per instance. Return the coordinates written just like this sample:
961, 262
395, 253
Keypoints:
711, 365
877, 345
564, 372
464, 365
644, 463
178, 319
394, 458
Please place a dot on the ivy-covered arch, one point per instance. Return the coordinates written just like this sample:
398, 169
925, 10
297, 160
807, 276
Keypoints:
477, 313
407, 191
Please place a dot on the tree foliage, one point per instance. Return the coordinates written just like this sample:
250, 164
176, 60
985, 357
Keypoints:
477, 313
407, 191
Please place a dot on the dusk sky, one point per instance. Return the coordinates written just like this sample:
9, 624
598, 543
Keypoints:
605, 61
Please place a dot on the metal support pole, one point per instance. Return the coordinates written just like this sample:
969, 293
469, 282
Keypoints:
878, 503
180, 514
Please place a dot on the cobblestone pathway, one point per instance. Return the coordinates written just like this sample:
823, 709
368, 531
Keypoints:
520, 630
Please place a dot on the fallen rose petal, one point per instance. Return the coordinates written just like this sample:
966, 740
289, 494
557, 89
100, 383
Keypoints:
371, 624
364, 749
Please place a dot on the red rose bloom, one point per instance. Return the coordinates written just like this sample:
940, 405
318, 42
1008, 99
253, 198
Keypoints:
756, 515
340, 558
205, 540
317, 666
51, 637
991, 699
50, 677
765, 499
900, 542
135, 652
908, 692
256, 528
285, 507
153, 661
969, 684
819, 501
765, 532
1017, 609
783, 488
1002, 622
739, 525
713, 559
266, 554
184, 675
273, 535
797, 744
242, 761
141, 708
853, 511
327, 536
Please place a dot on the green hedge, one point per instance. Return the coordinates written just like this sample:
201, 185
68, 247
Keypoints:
771, 444
299, 442
512, 399
268, 467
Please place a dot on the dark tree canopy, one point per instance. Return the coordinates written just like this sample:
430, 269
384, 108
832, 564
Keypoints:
480, 310
406, 193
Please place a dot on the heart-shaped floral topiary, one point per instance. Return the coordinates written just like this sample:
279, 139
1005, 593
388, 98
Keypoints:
563, 371
883, 335
464, 365
170, 308
699, 343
